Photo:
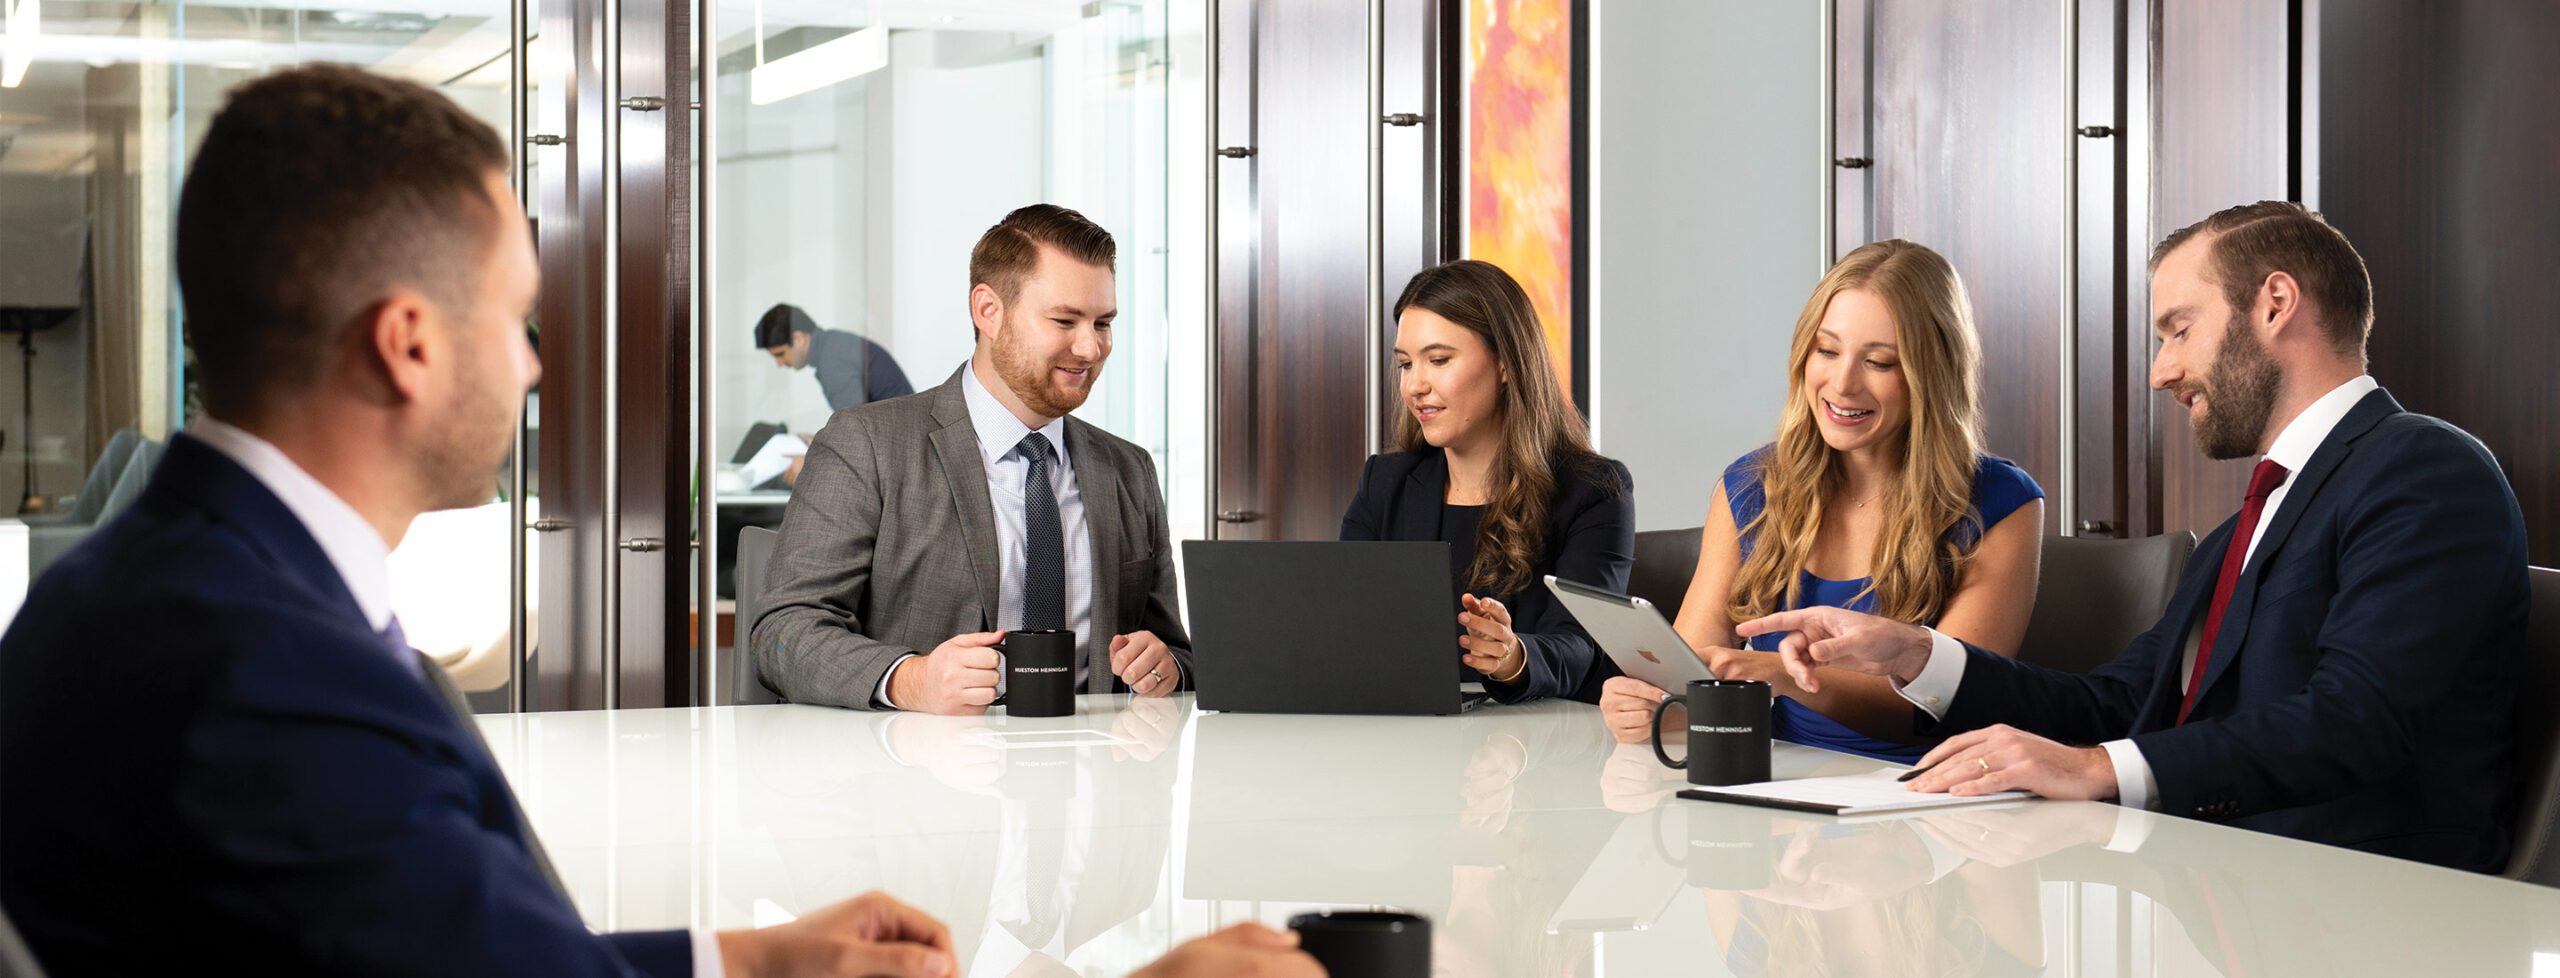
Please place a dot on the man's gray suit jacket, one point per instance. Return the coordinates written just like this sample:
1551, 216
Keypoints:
889, 547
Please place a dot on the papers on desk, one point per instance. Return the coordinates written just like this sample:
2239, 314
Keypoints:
1873, 793
774, 458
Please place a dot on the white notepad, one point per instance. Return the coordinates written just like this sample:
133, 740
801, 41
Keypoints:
1857, 794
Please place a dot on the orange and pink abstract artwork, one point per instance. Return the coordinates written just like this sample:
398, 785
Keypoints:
1519, 155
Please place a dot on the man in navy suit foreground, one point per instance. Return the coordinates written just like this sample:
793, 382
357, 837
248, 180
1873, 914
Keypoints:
217, 752
2335, 664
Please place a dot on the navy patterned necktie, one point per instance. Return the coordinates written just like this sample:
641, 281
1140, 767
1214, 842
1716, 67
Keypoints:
1044, 570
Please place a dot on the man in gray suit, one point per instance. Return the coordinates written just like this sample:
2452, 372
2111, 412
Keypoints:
924, 528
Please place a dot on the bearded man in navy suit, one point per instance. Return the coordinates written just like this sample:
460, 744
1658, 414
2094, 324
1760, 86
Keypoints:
2336, 662
217, 752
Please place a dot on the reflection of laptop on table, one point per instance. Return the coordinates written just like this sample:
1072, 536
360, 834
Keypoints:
1323, 627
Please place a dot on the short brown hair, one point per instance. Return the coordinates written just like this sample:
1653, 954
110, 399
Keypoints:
2253, 241
316, 191
1006, 255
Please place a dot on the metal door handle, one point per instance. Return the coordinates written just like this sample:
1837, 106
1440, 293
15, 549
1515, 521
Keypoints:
2097, 528
1402, 118
1238, 516
1235, 152
2097, 132
642, 545
549, 524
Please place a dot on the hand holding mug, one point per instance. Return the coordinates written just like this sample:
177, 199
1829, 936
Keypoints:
1626, 705
957, 678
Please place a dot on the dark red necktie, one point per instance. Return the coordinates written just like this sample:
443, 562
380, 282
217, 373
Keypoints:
2262, 483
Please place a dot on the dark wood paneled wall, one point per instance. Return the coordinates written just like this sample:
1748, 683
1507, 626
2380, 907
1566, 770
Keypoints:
1293, 247
1965, 111
2221, 83
2439, 150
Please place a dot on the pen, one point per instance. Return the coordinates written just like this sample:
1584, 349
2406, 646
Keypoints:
1913, 773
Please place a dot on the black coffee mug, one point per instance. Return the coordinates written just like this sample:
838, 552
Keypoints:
1039, 672
1366, 943
1728, 732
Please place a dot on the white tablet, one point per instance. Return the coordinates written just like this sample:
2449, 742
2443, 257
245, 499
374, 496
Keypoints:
1633, 635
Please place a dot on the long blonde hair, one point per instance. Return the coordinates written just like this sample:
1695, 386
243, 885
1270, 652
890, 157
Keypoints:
1542, 433
1915, 561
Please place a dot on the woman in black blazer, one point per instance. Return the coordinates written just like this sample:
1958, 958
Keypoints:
1493, 460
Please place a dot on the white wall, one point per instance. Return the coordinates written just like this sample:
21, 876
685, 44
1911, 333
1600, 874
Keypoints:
1707, 233
963, 147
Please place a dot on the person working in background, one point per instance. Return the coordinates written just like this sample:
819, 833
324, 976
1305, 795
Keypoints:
1493, 460
2337, 663
1876, 496
852, 370
263, 777
924, 527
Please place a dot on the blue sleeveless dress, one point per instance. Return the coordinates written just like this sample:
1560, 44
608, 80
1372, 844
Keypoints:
1999, 488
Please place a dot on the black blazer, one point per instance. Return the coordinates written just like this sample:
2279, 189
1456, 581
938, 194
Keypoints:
1590, 538
2359, 691
192, 701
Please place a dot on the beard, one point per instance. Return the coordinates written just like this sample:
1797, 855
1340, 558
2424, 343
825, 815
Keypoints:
462, 466
2239, 393
1032, 379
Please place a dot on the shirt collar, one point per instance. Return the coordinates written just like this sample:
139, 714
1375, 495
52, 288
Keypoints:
353, 546
2301, 437
998, 430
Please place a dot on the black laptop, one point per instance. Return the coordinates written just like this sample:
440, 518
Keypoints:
1324, 627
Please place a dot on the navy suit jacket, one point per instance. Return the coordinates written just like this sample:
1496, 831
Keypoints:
210, 763
2359, 691
1590, 539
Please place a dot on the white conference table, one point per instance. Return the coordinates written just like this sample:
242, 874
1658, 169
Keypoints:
1089, 845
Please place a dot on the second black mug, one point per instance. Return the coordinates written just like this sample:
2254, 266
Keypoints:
1728, 732
1039, 672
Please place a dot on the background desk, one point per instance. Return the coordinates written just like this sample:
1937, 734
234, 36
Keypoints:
1089, 845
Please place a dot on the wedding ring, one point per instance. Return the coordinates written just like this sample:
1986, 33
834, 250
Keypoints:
1986, 765
1154, 676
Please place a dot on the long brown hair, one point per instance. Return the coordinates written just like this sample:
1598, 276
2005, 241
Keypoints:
1542, 433
1915, 561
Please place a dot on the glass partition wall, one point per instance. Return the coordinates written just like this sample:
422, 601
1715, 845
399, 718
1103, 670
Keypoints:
695, 168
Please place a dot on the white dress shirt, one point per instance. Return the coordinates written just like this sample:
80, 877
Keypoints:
362, 558
2293, 447
999, 433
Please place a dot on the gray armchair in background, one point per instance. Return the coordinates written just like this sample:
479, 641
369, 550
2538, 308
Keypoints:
2094, 595
47, 541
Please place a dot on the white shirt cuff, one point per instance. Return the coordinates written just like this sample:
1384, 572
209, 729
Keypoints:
1936, 684
706, 955
880, 697
2134, 787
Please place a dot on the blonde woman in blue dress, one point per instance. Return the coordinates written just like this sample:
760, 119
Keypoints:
1876, 496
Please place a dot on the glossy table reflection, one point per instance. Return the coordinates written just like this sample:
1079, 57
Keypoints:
1089, 845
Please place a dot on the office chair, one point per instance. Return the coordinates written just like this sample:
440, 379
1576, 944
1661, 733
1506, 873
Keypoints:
2536, 858
1664, 561
2094, 595
755, 549
47, 542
